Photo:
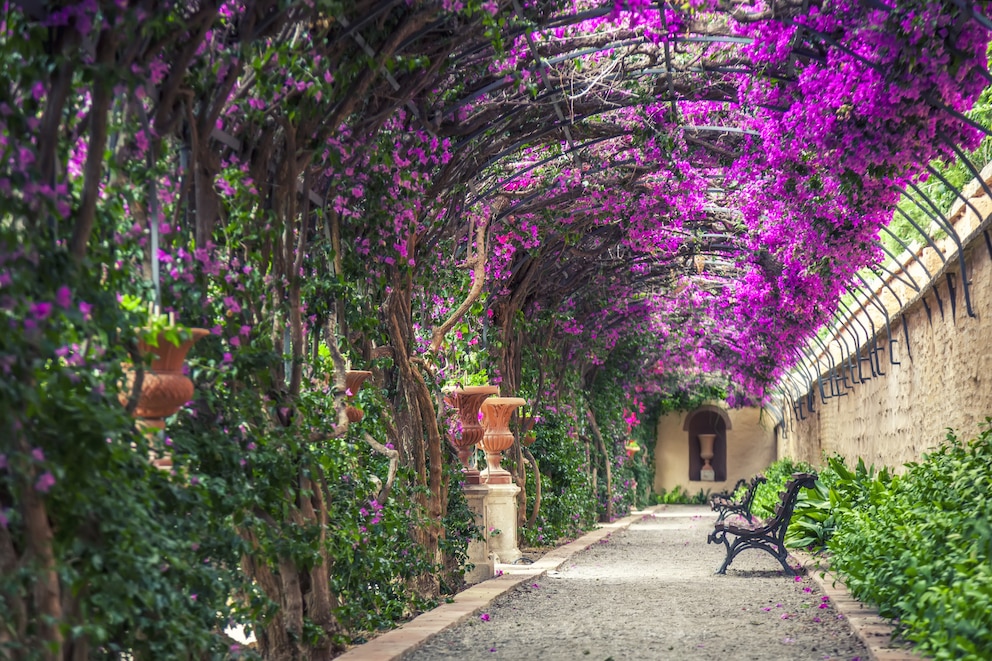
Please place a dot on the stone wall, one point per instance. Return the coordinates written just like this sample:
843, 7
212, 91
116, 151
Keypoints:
944, 378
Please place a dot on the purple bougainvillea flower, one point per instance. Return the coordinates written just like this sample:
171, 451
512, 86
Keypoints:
41, 311
38, 454
63, 297
45, 482
484, 617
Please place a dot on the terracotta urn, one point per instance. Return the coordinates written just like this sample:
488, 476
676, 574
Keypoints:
164, 388
468, 401
353, 382
496, 413
706, 473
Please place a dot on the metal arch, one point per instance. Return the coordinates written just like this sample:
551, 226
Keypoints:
926, 235
847, 359
817, 371
960, 193
903, 266
809, 394
776, 413
837, 370
947, 226
894, 276
902, 305
940, 105
869, 339
834, 377
873, 298
854, 355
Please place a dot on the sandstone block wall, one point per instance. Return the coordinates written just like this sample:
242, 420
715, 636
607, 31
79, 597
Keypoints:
944, 379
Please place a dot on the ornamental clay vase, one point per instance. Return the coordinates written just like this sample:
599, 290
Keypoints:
496, 413
706, 473
165, 388
354, 380
468, 401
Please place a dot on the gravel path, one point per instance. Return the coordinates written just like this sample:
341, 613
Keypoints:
649, 592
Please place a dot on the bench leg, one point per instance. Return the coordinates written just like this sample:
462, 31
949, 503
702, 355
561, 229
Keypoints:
744, 543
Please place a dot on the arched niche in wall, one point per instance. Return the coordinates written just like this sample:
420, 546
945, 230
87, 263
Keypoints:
708, 419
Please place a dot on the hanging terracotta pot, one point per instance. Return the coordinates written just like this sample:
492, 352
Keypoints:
164, 388
468, 401
354, 380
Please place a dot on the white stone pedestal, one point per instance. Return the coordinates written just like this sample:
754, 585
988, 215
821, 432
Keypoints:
501, 512
477, 496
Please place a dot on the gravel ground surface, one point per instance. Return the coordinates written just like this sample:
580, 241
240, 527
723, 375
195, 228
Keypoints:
650, 592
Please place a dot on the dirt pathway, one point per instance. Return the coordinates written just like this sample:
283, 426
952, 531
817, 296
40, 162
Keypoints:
649, 592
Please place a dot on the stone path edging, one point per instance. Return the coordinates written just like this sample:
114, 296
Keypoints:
473, 600
874, 631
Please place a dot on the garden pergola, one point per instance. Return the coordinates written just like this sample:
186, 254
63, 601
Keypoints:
684, 194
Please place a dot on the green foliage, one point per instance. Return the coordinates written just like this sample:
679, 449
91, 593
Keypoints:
778, 473
919, 546
568, 506
142, 563
838, 490
679, 496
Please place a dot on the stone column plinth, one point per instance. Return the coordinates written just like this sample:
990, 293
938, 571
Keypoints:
477, 496
502, 516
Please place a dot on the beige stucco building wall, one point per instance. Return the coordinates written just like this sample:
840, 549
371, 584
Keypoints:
750, 448
944, 379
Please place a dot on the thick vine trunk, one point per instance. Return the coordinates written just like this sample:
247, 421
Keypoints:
607, 461
532, 520
420, 435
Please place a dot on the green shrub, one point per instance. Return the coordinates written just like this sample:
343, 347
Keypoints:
778, 473
838, 490
679, 496
568, 506
919, 546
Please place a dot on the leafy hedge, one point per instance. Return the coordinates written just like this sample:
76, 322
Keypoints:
778, 474
680, 496
919, 546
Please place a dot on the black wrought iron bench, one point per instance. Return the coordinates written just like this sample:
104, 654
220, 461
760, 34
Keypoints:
767, 535
725, 505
